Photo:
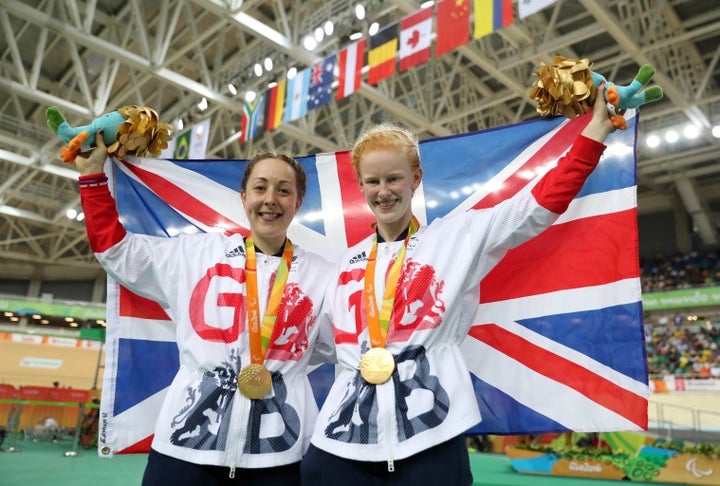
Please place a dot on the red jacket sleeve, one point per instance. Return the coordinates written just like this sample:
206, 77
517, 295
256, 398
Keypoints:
560, 185
101, 217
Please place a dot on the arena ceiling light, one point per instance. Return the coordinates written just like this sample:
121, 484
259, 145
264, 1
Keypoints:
359, 11
674, 135
73, 213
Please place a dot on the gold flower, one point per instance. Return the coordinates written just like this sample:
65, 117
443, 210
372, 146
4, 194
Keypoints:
565, 88
141, 134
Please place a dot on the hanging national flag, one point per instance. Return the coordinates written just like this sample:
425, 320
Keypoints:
529, 7
182, 145
381, 53
296, 98
251, 118
321, 79
453, 25
491, 15
350, 63
274, 103
557, 341
190, 144
199, 139
415, 38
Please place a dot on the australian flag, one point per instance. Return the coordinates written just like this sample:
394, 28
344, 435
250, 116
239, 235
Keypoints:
321, 78
558, 342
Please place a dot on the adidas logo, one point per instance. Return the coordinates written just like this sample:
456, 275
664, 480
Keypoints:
239, 251
360, 257
412, 243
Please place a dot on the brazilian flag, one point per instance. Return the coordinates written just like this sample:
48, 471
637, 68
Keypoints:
182, 145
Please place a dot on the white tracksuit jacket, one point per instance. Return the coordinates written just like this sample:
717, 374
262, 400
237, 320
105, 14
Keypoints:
429, 398
200, 282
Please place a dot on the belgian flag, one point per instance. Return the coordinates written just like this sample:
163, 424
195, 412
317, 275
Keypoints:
382, 52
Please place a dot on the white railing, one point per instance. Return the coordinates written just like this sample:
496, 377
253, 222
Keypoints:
673, 421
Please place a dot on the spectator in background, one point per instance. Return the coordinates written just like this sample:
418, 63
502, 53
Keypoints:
688, 350
680, 271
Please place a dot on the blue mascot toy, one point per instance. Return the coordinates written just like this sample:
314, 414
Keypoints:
131, 130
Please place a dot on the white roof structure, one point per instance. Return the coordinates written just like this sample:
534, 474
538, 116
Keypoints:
92, 57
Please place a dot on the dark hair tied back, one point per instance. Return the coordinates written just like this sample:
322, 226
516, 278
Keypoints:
300, 176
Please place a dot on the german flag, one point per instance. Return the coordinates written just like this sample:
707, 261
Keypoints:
381, 55
275, 101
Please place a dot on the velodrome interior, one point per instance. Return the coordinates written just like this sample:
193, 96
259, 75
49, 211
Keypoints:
89, 58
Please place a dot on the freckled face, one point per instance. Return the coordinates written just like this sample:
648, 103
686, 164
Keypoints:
388, 182
271, 201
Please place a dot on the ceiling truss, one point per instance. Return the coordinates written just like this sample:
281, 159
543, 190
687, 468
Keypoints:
91, 57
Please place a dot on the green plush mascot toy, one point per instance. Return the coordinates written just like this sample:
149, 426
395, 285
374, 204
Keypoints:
131, 130
568, 88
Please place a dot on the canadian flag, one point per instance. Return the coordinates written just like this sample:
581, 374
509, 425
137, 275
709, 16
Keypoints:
415, 38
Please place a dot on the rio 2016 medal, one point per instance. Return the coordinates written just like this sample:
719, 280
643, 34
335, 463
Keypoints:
254, 381
377, 365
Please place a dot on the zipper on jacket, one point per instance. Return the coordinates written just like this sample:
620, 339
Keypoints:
383, 394
237, 415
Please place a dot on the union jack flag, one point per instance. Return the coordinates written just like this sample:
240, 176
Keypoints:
558, 342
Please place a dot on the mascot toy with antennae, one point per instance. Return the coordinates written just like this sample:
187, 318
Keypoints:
568, 88
131, 130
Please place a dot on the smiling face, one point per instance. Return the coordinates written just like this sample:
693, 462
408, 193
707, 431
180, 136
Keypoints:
388, 182
270, 197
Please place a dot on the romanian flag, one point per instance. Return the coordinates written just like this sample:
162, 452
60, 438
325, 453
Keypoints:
274, 102
381, 56
491, 15
453, 25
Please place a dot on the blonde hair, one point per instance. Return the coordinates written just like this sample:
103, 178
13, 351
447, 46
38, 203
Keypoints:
386, 136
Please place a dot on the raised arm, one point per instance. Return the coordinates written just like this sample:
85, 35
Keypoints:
558, 187
101, 219
93, 163
129, 259
600, 125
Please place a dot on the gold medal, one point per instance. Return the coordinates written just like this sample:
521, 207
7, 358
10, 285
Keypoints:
377, 365
254, 381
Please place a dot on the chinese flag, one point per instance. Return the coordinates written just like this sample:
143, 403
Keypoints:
453, 25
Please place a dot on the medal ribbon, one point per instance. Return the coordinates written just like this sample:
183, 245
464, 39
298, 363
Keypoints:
378, 324
260, 334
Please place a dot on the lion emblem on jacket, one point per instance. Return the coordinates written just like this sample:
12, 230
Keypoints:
294, 317
418, 301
